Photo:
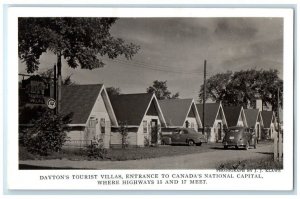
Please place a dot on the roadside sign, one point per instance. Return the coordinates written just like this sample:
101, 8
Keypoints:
51, 103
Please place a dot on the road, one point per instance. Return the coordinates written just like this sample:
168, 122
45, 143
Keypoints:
205, 160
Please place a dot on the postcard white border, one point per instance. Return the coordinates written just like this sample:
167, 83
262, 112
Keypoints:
29, 180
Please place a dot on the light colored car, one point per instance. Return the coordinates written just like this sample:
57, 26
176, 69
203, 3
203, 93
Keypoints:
239, 137
184, 136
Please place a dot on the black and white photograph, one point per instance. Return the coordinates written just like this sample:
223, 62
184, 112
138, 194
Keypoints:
149, 99
150, 93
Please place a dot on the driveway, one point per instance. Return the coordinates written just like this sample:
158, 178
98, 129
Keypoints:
205, 160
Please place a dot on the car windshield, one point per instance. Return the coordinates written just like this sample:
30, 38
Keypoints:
234, 130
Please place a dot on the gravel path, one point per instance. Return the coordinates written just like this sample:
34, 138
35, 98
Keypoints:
205, 160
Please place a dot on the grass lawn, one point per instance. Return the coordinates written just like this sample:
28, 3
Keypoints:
122, 154
154, 152
261, 163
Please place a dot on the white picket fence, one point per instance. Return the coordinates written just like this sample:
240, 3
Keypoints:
278, 146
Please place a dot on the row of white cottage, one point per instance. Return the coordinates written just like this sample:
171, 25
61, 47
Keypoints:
96, 116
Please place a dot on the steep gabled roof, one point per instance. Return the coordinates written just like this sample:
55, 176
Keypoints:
79, 100
251, 117
131, 108
175, 110
232, 114
267, 117
211, 111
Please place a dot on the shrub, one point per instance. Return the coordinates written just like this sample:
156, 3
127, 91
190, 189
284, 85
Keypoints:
96, 150
146, 141
265, 135
24, 154
259, 163
46, 133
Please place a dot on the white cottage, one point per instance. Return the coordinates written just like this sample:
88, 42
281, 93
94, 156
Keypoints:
235, 116
92, 112
254, 121
142, 116
180, 113
269, 124
214, 121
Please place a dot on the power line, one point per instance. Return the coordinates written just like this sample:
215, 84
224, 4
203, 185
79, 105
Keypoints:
152, 67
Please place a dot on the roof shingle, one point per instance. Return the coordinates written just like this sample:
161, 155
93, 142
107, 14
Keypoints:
130, 108
211, 111
79, 100
267, 118
232, 114
175, 110
251, 117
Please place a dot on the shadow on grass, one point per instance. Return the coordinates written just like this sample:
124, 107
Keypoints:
266, 153
228, 149
32, 167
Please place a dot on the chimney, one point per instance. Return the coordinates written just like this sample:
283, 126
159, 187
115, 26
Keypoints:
259, 104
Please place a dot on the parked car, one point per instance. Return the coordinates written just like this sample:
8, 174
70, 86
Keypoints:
239, 137
184, 136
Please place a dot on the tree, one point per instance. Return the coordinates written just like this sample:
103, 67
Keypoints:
68, 81
80, 41
49, 74
161, 91
216, 87
112, 91
244, 87
46, 131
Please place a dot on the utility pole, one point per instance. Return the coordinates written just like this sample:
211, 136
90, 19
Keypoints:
204, 97
278, 121
55, 87
59, 82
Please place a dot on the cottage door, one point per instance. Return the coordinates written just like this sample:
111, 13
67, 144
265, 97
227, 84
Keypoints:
257, 131
219, 131
154, 131
106, 140
91, 130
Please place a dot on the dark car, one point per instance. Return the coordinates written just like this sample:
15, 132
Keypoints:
184, 136
239, 137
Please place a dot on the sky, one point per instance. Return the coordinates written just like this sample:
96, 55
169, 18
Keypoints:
174, 49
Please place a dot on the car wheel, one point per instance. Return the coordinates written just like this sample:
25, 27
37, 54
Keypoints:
199, 144
225, 147
191, 143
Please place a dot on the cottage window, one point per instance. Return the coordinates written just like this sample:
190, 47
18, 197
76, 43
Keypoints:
192, 124
187, 124
145, 127
92, 122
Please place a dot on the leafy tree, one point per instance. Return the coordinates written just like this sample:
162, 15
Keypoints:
112, 91
161, 91
244, 87
68, 81
46, 132
80, 41
216, 86
49, 74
